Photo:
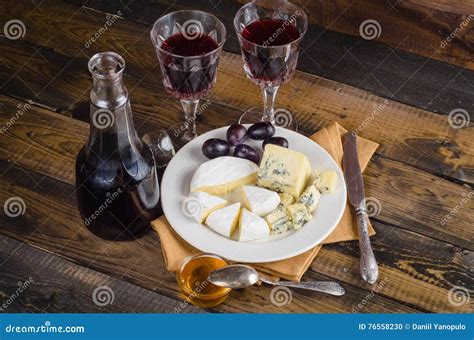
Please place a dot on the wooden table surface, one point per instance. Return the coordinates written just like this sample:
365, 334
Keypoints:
398, 89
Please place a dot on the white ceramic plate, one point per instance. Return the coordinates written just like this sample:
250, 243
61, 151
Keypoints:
175, 189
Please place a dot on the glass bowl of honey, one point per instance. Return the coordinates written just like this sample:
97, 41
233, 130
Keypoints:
192, 277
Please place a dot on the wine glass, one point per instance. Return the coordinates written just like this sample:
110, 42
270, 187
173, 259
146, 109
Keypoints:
269, 34
188, 45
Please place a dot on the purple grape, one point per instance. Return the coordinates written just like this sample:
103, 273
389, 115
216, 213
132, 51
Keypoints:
261, 130
236, 134
247, 152
215, 147
280, 141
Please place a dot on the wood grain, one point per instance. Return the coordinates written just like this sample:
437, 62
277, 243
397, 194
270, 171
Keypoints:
377, 65
51, 210
412, 136
50, 284
399, 188
414, 26
424, 223
51, 221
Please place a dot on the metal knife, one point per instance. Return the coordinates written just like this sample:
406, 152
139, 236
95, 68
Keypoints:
355, 188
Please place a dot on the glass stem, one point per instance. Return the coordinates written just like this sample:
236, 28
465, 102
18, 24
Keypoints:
269, 95
190, 109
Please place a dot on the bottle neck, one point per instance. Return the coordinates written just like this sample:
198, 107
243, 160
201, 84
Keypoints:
111, 114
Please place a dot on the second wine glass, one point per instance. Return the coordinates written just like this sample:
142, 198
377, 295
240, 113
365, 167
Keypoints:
269, 34
188, 45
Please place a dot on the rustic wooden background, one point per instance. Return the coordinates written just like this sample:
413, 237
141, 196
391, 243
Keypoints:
401, 87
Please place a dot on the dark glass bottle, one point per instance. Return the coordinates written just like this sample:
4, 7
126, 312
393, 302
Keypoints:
117, 186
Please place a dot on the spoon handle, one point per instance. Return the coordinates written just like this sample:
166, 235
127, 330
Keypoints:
328, 287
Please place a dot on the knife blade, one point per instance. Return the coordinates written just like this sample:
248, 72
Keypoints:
355, 188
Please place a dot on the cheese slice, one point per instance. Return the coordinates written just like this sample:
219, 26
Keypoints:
310, 198
325, 181
299, 214
259, 200
223, 221
286, 198
221, 175
251, 227
283, 170
279, 221
200, 204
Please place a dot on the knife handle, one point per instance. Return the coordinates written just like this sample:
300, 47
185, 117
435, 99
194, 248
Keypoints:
368, 265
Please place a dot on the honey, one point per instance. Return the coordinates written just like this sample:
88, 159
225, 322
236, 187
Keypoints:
192, 277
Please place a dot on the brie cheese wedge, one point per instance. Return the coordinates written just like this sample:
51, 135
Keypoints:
221, 175
251, 227
200, 204
259, 200
223, 221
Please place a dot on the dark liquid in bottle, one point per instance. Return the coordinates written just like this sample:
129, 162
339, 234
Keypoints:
270, 32
193, 77
117, 191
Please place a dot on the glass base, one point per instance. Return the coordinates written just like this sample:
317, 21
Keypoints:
283, 118
180, 135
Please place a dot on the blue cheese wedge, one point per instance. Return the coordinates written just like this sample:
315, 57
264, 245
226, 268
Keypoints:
251, 227
310, 198
325, 181
279, 221
200, 204
283, 170
221, 175
223, 221
260, 201
298, 214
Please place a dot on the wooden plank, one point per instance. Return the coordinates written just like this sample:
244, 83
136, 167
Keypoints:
412, 136
51, 221
414, 26
385, 70
397, 187
415, 269
54, 214
33, 280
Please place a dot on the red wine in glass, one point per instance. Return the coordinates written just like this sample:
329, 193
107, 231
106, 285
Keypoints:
189, 77
263, 65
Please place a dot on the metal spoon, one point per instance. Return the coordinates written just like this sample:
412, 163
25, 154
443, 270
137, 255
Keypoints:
242, 276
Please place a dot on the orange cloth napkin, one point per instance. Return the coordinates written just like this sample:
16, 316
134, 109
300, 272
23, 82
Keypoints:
176, 249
